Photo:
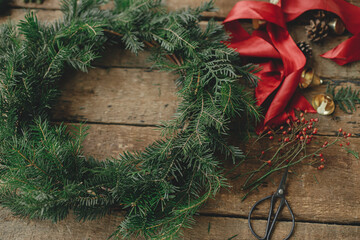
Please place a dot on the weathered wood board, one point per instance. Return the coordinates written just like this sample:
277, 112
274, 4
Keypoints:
122, 100
207, 228
146, 96
224, 6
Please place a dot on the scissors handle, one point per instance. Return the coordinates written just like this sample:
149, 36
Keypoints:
271, 223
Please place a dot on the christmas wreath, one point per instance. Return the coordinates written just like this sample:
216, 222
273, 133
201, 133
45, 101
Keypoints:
43, 171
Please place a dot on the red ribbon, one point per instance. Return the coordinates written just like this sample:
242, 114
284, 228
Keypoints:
280, 76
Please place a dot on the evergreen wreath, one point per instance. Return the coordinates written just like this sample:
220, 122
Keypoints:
43, 172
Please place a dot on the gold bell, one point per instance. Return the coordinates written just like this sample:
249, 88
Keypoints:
323, 104
337, 26
309, 78
258, 23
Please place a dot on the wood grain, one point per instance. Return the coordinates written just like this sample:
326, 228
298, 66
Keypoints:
224, 6
207, 228
319, 196
105, 141
116, 95
15, 15
124, 97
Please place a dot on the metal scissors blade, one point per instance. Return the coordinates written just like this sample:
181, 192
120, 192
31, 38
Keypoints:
281, 188
279, 194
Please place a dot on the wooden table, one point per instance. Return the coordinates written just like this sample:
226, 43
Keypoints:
122, 100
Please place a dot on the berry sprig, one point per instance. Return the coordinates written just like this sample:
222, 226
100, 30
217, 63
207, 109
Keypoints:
294, 139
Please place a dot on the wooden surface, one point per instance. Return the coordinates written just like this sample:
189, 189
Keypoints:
122, 101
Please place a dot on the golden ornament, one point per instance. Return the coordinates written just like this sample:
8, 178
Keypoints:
309, 78
323, 104
337, 26
258, 23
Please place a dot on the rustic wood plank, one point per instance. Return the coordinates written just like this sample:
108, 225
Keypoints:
326, 68
339, 119
117, 57
141, 96
329, 201
16, 15
131, 96
47, 4
15, 228
105, 141
224, 6
319, 196
224, 228
317, 200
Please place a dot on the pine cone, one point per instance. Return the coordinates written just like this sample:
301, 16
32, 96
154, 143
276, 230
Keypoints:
318, 28
305, 48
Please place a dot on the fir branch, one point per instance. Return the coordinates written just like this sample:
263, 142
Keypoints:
345, 98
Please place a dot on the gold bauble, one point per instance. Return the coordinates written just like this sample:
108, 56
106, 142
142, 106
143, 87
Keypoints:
337, 26
323, 104
258, 23
309, 78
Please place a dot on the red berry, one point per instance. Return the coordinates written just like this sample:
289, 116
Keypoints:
322, 160
262, 152
284, 132
301, 138
348, 143
288, 121
308, 141
269, 132
315, 131
316, 119
282, 127
280, 140
289, 129
271, 137
306, 111
349, 134
340, 129
298, 121
311, 119
297, 136
266, 128
303, 120
304, 129
340, 144
344, 133
301, 114
309, 126
321, 155
269, 162
320, 167
287, 160
286, 139
326, 143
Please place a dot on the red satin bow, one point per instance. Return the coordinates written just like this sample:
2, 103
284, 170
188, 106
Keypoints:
280, 76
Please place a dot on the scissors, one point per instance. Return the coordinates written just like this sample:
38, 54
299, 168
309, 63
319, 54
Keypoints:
279, 194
